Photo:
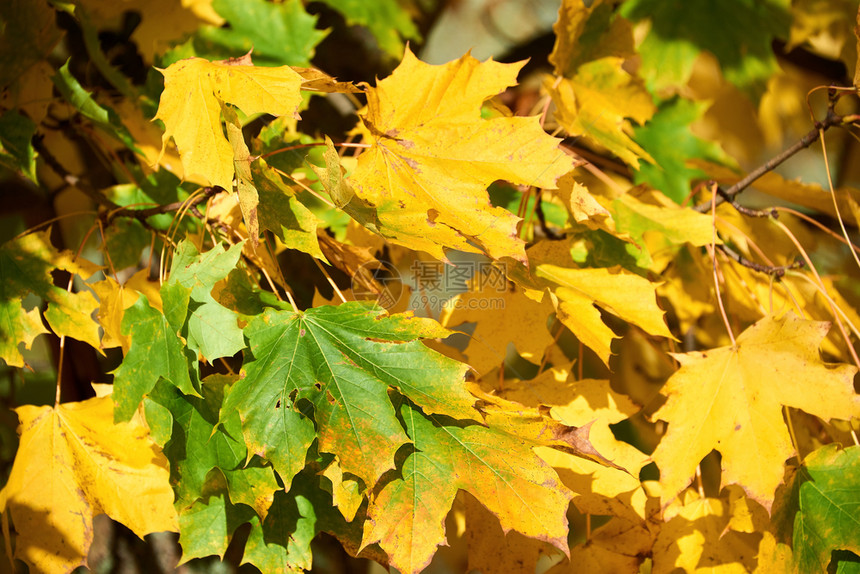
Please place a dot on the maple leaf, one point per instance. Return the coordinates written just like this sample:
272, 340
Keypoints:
280, 33
594, 94
731, 399
822, 504
737, 32
156, 351
432, 158
502, 471
73, 464
207, 526
672, 145
343, 360
616, 290
190, 107
187, 294
387, 20
697, 539
215, 444
524, 325
346, 491
494, 551
26, 264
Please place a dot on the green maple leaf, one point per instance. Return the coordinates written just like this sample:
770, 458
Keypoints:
407, 517
669, 141
282, 542
823, 508
25, 268
281, 212
16, 148
201, 444
343, 360
156, 352
279, 34
738, 32
385, 19
212, 328
207, 527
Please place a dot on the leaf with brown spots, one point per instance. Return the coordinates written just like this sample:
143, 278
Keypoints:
432, 157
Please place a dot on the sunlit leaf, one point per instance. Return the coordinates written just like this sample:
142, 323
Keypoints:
431, 159
190, 107
726, 399
343, 360
498, 469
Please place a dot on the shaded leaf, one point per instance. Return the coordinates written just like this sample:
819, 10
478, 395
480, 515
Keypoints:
73, 464
826, 490
386, 19
696, 540
200, 443
669, 141
29, 35
16, 149
616, 290
206, 528
26, 264
738, 32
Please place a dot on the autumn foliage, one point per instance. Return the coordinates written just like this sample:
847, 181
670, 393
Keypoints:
597, 312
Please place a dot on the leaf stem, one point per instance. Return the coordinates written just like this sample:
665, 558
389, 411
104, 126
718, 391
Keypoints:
315, 144
330, 280
712, 251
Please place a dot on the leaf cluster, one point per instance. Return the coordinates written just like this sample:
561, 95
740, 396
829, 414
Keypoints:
551, 318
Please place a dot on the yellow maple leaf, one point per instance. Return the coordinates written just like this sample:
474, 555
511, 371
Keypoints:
195, 91
74, 463
432, 157
593, 93
622, 293
494, 551
114, 299
731, 398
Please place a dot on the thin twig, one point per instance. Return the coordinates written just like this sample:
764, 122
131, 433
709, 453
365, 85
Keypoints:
712, 251
315, 144
550, 234
811, 137
773, 270
749, 212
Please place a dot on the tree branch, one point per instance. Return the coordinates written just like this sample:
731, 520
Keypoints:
811, 137
775, 271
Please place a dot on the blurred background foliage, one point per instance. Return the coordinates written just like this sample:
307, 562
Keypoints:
62, 61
